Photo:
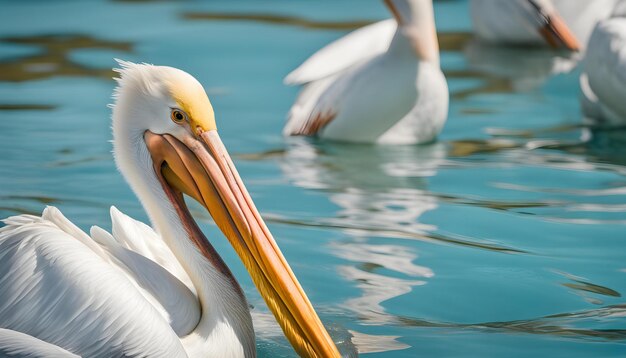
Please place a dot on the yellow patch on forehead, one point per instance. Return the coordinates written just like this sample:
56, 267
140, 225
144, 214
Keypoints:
192, 99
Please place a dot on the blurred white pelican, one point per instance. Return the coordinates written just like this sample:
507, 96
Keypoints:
583, 15
151, 292
558, 23
603, 82
540, 24
381, 83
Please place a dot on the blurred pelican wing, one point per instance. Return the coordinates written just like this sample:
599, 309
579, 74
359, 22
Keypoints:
359, 45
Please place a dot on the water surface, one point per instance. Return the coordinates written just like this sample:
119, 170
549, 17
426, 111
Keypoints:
504, 238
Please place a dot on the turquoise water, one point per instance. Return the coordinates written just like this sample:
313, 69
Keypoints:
504, 238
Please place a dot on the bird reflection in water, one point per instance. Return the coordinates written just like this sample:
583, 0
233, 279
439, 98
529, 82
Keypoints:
525, 69
390, 198
512, 42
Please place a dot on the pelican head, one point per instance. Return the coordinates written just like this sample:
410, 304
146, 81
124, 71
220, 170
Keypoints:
542, 15
166, 144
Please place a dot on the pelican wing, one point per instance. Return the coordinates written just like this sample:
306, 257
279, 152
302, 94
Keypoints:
141, 238
172, 298
139, 253
72, 293
16, 344
314, 108
357, 46
346, 100
605, 67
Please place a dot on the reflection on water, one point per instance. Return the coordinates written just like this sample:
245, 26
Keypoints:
438, 238
53, 59
278, 20
375, 289
46, 200
368, 343
390, 197
389, 200
589, 291
590, 287
395, 209
453, 41
564, 325
574, 192
467, 148
378, 287
508, 232
490, 83
26, 107
504, 69
389, 203
524, 68
17, 210
339, 167
80, 160
532, 133
598, 144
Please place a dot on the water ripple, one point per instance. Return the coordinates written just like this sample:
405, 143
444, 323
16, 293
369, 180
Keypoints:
54, 57
398, 234
560, 325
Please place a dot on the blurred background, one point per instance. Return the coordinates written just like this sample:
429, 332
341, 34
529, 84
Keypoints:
504, 238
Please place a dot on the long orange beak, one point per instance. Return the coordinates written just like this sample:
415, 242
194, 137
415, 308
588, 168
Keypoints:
200, 167
558, 35
552, 27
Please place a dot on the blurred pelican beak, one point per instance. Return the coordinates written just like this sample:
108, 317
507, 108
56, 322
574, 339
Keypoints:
552, 27
200, 167
558, 35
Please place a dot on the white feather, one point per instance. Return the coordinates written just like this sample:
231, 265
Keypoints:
20, 345
357, 46
173, 299
141, 238
57, 289
603, 82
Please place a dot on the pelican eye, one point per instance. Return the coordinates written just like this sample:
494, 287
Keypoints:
178, 116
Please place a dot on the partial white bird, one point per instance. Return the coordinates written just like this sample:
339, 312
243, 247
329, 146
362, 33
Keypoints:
527, 22
518, 68
381, 83
151, 292
581, 16
603, 81
540, 24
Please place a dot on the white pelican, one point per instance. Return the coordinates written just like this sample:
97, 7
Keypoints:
151, 292
381, 83
603, 82
537, 22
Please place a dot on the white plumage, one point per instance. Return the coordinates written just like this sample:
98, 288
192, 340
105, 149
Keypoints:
158, 291
381, 83
603, 82
359, 45
60, 286
16, 344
